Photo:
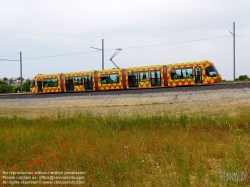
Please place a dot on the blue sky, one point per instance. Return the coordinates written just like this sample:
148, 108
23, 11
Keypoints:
41, 28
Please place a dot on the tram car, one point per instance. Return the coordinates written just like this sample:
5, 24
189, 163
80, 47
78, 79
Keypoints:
171, 75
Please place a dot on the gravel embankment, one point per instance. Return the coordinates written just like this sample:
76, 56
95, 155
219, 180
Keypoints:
174, 102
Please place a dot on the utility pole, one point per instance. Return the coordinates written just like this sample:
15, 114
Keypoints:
102, 49
234, 52
233, 47
102, 54
21, 76
21, 82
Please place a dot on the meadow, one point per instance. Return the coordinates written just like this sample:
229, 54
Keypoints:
157, 150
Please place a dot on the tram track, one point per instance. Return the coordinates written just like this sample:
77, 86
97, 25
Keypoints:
181, 89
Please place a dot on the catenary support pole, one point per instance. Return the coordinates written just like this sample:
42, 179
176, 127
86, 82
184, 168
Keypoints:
21, 76
102, 54
234, 48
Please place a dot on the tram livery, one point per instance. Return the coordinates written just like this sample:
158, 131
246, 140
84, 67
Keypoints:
171, 75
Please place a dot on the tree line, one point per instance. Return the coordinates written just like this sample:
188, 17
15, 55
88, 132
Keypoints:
243, 78
8, 88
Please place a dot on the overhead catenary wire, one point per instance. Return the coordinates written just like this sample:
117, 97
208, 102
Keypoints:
171, 43
134, 47
53, 56
10, 55
9, 59
242, 34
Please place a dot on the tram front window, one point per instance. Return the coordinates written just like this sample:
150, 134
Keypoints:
32, 84
211, 71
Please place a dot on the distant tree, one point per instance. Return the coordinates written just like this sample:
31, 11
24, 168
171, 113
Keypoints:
26, 85
243, 78
5, 79
11, 81
1, 82
19, 78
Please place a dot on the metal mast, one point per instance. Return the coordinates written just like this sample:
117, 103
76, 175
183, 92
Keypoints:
102, 54
21, 82
233, 48
102, 49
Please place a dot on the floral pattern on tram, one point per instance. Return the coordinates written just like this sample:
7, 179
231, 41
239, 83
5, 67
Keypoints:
81, 81
190, 73
142, 77
47, 83
110, 79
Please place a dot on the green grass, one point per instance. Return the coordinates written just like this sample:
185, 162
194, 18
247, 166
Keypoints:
130, 151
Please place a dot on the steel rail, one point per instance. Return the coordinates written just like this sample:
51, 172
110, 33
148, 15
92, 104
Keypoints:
201, 87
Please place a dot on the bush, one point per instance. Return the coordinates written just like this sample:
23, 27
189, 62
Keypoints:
243, 78
3, 88
26, 86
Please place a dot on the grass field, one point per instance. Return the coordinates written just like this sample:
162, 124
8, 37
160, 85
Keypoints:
157, 150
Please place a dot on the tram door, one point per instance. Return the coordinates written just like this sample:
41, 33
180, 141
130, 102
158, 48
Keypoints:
69, 84
88, 85
155, 78
198, 75
133, 79
40, 85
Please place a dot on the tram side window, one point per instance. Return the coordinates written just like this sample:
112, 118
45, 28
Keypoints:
88, 82
189, 72
109, 79
211, 71
114, 78
184, 73
50, 82
143, 76
88, 79
78, 81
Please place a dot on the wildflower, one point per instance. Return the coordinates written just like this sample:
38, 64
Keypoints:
32, 164
93, 150
53, 155
63, 144
126, 147
14, 166
39, 161
152, 142
79, 150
